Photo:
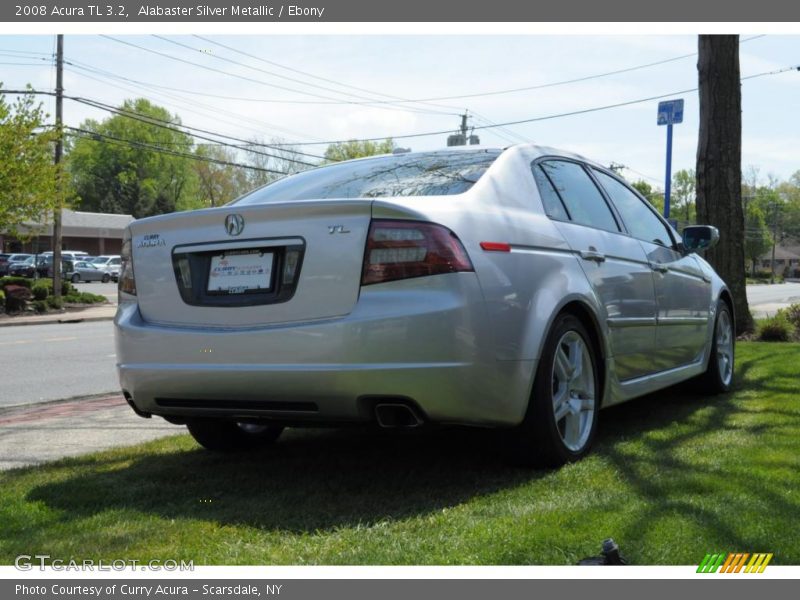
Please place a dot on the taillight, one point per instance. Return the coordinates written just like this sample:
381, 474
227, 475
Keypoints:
127, 283
405, 249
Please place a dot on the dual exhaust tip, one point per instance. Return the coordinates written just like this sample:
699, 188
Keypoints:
394, 415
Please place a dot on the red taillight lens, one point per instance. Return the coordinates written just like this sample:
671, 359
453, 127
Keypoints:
405, 249
126, 282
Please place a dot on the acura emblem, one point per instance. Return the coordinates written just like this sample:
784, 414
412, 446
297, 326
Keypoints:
234, 224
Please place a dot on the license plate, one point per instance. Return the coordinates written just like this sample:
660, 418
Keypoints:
240, 273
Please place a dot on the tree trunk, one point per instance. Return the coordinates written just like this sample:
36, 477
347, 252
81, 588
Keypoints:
719, 163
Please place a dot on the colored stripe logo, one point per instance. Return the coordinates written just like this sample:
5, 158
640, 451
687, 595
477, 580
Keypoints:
734, 562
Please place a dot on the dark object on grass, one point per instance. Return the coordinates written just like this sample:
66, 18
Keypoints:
610, 556
17, 297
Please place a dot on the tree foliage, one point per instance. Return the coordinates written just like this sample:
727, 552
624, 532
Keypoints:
118, 171
655, 197
27, 173
757, 237
358, 149
683, 195
217, 182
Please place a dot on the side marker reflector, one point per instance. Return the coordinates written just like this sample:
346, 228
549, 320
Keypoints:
496, 246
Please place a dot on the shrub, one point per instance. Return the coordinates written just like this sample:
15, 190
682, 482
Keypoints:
40, 292
17, 297
2, 302
776, 329
792, 313
56, 303
10, 280
84, 298
40, 306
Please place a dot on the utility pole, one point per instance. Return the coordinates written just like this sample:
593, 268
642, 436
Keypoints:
59, 151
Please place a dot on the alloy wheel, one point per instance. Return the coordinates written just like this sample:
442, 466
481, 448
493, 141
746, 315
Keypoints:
573, 390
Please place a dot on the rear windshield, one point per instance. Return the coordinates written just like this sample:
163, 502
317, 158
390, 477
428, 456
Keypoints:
424, 174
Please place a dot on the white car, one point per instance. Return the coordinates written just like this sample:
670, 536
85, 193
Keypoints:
110, 264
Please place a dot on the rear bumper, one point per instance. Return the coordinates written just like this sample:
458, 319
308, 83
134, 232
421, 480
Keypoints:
425, 341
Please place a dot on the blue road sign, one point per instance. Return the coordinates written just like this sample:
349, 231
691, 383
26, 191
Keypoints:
670, 111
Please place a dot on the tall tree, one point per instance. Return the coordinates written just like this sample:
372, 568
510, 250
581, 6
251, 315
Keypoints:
683, 191
217, 182
27, 173
654, 197
133, 165
757, 237
719, 163
275, 159
358, 149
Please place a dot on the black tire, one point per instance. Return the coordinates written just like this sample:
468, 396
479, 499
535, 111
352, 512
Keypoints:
229, 436
718, 377
106, 278
541, 440
76, 278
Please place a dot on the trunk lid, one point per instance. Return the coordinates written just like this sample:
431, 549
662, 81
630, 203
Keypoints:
244, 266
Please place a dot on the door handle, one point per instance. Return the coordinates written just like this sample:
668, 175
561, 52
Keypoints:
659, 267
593, 255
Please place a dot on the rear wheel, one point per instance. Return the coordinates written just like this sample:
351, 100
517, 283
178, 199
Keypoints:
718, 377
76, 278
561, 421
106, 278
229, 436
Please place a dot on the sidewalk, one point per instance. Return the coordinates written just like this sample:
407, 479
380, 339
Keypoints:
53, 430
71, 315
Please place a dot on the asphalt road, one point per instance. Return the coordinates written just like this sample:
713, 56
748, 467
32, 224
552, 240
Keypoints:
55, 361
767, 299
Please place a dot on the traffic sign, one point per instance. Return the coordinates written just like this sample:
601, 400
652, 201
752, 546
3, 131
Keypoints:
670, 111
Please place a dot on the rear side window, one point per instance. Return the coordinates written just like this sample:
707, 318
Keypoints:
423, 174
641, 221
552, 203
583, 201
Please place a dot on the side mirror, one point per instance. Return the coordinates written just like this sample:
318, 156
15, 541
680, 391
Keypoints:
699, 237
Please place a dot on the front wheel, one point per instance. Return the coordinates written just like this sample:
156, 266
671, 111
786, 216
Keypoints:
718, 377
106, 278
229, 436
561, 420
76, 278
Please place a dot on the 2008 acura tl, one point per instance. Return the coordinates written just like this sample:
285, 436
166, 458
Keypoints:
523, 288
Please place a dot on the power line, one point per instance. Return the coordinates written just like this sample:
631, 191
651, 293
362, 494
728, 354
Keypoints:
505, 124
94, 135
311, 75
547, 117
273, 74
165, 124
250, 79
209, 109
398, 100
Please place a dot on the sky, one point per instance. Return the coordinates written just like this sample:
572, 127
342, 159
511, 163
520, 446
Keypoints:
415, 67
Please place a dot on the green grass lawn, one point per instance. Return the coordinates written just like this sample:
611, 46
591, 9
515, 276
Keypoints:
673, 476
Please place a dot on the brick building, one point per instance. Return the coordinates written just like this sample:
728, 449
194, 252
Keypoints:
94, 233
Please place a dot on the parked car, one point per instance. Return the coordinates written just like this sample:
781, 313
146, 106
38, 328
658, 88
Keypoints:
110, 264
6, 260
45, 267
85, 271
23, 268
524, 289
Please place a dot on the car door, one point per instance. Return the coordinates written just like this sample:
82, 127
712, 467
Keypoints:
683, 290
614, 263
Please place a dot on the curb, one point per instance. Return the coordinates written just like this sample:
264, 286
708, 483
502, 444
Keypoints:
61, 319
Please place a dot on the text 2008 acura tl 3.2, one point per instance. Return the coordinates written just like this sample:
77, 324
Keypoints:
523, 288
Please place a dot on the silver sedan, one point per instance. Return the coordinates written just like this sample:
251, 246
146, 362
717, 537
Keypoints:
523, 288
